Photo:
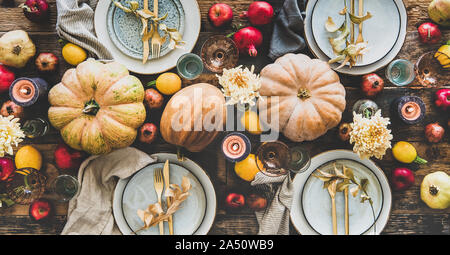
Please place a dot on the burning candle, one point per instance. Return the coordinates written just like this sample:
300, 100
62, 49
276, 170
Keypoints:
236, 147
27, 91
409, 109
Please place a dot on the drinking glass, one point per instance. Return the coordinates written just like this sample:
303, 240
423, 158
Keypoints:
429, 71
276, 159
35, 127
190, 66
400, 72
64, 188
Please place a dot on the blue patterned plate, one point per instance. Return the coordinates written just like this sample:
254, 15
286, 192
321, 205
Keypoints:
124, 29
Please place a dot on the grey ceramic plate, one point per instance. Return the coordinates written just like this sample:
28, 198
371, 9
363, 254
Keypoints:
310, 212
385, 20
356, 70
139, 193
124, 28
196, 173
316, 201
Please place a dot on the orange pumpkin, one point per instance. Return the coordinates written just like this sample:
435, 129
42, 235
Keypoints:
97, 107
311, 97
183, 120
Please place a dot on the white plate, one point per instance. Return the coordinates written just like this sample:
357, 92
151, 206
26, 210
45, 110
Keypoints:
311, 212
203, 180
139, 192
153, 66
356, 70
385, 21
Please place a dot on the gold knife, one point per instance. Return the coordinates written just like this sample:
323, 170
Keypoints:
166, 184
145, 36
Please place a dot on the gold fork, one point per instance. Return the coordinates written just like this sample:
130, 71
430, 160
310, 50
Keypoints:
157, 41
158, 183
360, 38
146, 35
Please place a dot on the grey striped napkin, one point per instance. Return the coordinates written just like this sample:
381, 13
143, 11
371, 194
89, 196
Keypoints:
274, 220
75, 23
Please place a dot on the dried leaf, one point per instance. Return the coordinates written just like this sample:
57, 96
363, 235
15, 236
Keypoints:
322, 178
133, 5
354, 190
120, 6
331, 27
359, 19
325, 174
364, 183
349, 173
342, 185
332, 188
343, 11
338, 172
155, 213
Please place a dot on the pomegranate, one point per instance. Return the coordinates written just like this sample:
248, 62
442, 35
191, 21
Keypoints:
7, 168
259, 13
429, 33
434, 132
11, 108
46, 62
35, 10
247, 40
6, 78
402, 178
234, 200
372, 84
153, 99
220, 14
67, 158
344, 131
148, 133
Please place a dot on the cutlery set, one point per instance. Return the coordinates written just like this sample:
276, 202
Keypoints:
161, 179
153, 34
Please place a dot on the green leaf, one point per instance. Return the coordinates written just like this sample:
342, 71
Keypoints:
359, 19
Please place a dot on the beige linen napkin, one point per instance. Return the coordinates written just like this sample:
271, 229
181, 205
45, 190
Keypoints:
90, 213
274, 220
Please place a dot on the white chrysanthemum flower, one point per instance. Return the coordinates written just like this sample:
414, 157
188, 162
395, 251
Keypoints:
240, 85
10, 134
371, 137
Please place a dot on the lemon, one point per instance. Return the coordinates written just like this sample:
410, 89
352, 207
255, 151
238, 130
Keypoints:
28, 156
247, 168
168, 83
73, 54
250, 120
406, 153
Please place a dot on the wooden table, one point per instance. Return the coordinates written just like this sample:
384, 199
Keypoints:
409, 214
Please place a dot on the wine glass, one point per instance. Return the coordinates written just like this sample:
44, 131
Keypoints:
276, 159
64, 188
429, 71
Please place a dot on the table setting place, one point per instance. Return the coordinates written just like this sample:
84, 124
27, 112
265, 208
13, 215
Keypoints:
157, 117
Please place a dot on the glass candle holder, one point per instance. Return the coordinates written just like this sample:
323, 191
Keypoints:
219, 52
300, 159
400, 72
189, 66
64, 188
429, 71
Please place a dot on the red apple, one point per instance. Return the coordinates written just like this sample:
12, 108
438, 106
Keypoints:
429, 33
7, 167
256, 202
36, 10
67, 158
220, 14
147, 133
402, 178
11, 108
40, 209
47, 62
235, 201
6, 78
372, 84
153, 99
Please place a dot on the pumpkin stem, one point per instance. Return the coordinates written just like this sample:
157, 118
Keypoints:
303, 94
91, 107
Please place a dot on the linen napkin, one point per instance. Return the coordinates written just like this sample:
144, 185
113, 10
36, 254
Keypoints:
90, 213
287, 36
75, 23
274, 220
